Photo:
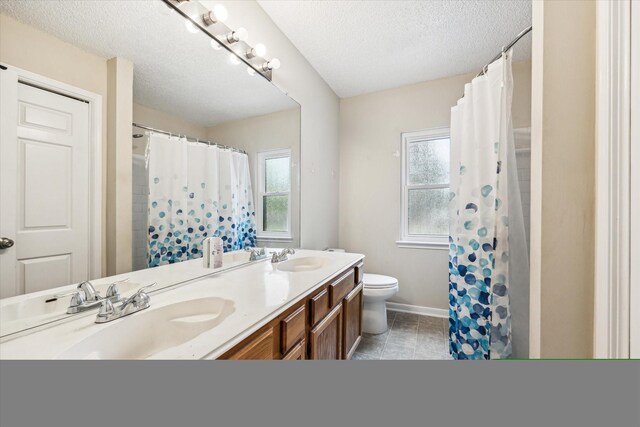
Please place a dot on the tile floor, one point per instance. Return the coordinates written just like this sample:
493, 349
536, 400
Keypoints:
410, 336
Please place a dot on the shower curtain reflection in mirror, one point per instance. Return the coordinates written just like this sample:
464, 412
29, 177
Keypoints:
196, 191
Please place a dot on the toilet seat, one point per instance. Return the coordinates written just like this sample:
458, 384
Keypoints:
378, 281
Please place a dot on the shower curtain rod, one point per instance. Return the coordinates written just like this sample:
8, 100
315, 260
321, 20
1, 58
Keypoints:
506, 48
188, 138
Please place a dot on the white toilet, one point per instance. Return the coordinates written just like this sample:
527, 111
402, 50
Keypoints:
377, 290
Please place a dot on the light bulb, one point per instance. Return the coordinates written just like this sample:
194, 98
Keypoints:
215, 45
233, 59
251, 71
274, 64
260, 49
190, 27
241, 34
221, 12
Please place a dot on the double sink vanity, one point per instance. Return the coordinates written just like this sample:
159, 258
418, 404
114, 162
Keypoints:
308, 306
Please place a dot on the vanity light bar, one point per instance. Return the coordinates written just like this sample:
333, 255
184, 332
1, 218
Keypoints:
211, 23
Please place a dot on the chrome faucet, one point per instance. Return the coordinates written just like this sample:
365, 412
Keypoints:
256, 253
85, 297
136, 302
281, 256
90, 293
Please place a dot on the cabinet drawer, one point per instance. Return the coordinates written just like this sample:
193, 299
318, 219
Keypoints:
359, 270
341, 287
297, 352
260, 348
319, 306
293, 327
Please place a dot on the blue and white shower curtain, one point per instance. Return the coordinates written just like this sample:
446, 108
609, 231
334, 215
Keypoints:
486, 225
196, 191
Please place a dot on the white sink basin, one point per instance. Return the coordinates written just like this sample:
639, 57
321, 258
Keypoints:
41, 309
297, 265
149, 333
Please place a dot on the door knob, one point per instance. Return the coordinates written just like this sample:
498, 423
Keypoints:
5, 243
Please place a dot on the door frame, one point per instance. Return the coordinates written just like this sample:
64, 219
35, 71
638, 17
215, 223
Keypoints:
616, 279
94, 101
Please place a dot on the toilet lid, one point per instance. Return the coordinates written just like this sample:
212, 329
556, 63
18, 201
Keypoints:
378, 281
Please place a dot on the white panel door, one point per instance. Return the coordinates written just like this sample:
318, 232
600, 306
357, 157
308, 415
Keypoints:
44, 184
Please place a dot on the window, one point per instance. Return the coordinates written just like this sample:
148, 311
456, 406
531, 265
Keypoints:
274, 194
425, 189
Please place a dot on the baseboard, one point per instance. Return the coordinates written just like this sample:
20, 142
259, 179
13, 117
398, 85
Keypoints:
427, 311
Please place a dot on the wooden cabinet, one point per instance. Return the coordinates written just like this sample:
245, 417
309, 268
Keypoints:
259, 348
326, 323
341, 287
319, 306
359, 272
293, 328
325, 340
352, 321
297, 352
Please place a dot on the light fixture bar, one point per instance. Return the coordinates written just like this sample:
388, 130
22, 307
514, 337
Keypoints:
232, 40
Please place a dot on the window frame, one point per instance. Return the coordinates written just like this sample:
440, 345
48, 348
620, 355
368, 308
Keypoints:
261, 158
426, 241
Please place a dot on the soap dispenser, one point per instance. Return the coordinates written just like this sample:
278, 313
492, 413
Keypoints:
206, 253
216, 252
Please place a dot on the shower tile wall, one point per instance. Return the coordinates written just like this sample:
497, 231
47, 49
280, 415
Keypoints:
140, 196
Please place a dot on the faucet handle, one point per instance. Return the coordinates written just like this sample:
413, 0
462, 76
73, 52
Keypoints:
77, 298
106, 309
141, 295
145, 287
256, 253
112, 291
140, 298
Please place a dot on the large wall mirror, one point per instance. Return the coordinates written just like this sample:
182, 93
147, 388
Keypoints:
213, 147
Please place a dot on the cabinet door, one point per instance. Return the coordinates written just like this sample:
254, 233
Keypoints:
297, 352
352, 321
260, 348
326, 338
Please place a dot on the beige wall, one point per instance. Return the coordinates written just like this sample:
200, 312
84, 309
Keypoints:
319, 123
562, 179
30, 49
370, 128
119, 165
147, 116
268, 132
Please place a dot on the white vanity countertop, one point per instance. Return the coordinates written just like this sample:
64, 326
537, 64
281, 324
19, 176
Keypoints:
259, 292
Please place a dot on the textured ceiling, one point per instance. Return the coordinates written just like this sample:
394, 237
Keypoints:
174, 71
365, 46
